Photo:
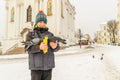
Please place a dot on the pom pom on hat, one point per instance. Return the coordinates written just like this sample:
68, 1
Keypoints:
41, 11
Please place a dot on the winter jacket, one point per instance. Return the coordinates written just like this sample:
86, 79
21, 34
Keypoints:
37, 59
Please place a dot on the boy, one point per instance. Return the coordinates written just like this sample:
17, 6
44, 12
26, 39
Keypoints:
41, 63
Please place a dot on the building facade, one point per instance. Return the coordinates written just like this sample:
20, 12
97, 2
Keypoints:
103, 36
106, 37
20, 17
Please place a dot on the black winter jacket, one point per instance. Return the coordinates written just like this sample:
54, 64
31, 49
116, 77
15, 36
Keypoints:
38, 60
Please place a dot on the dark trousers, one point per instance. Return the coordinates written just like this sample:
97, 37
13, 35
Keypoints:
41, 74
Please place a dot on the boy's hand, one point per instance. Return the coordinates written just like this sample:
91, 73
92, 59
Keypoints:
43, 46
53, 45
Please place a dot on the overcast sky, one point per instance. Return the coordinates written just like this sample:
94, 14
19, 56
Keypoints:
89, 14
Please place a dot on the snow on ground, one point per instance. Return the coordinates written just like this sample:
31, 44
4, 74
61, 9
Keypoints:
113, 56
69, 50
14, 71
70, 67
14, 56
18, 70
77, 67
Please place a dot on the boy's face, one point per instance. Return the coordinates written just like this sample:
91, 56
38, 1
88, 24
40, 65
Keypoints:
41, 24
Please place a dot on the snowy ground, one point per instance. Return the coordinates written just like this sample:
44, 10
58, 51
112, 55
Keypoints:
71, 64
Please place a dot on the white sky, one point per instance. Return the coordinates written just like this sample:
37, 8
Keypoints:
89, 14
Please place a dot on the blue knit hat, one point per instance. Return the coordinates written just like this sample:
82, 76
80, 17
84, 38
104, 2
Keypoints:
41, 16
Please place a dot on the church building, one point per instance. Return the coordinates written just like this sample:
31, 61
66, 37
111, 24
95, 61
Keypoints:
20, 18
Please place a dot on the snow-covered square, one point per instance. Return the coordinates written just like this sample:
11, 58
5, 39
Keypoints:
98, 62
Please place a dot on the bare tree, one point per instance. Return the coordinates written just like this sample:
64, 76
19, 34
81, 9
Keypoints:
112, 29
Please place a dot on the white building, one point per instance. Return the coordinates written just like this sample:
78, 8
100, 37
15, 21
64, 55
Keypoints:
103, 36
21, 14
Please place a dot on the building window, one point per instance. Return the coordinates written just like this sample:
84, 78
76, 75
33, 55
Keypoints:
29, 14
105, 39
59, 33
110, 34
116, 33
104, 28
12, 15
49, 8
104, 34
62, 9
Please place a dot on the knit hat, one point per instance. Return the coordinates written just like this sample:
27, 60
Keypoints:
41, 16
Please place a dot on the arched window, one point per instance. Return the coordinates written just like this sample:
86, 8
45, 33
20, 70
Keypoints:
62, 9
12, 15
29, 14
49, 7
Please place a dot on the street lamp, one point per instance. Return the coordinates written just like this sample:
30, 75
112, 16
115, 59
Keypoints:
80, 37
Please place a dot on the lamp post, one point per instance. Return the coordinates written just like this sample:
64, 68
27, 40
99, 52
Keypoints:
80, 37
